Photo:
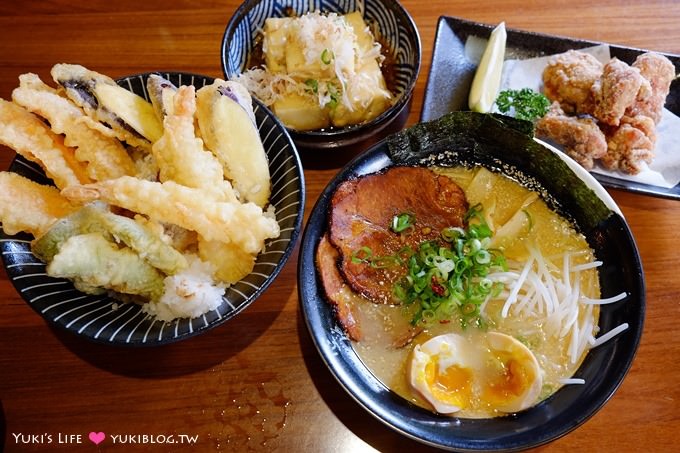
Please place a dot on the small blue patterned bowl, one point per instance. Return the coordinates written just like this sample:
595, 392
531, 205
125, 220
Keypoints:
397, 31
105, 320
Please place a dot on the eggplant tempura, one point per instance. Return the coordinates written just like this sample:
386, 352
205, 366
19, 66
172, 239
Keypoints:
144, 207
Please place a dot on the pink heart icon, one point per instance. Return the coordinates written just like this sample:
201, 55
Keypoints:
97, 438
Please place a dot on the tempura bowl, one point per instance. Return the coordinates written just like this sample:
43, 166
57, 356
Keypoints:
604, 367
106, 320
397, 31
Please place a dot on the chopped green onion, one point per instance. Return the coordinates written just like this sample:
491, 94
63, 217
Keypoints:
450, 234
384, 261
444, 276
404, 254
326, 56
333, 92
475, 212
428, 314
449, 275
402, 222
366, 254
313, 84
485, 284
483, 257
468, 308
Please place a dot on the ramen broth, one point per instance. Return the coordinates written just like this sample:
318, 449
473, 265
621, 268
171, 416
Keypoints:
502, 199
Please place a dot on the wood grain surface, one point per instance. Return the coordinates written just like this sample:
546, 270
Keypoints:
257, 383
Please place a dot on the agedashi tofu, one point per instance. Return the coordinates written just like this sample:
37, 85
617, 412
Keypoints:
364, 37
301, 113
275, 36
365, 98
321, 70
297, 64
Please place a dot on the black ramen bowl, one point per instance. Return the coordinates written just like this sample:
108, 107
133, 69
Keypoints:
484, 140
397, 31
106, 320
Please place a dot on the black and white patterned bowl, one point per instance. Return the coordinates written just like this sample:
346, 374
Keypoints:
395, 28
106, 320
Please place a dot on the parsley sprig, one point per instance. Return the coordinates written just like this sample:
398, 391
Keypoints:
527, 104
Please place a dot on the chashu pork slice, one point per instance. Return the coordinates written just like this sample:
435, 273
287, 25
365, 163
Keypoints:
362, 211
337, 292
351, 309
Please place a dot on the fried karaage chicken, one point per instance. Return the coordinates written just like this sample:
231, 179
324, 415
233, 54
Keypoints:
568, 78
580, 137
616, 90
611, 110
630, 144
660, 72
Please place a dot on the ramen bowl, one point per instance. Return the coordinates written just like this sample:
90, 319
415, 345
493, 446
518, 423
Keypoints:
392, 26
106, 320
576, 196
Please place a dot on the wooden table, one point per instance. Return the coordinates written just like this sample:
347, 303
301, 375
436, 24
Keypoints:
257, 383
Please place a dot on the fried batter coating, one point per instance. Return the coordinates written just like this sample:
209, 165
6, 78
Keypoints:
30, 137
145, 164
181, 239
631, 144
660, 72
105, 266
161, 93
41, 206
80, 85
180, 154
568, 77
104, 157
231, 263
241, 223
581, 138
96, 218
617, 90
238, 147
627, 101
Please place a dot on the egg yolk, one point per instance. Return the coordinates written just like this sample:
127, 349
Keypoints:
452, 385
512, 380
495, 374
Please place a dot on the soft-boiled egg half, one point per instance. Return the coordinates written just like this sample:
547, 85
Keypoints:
491, 371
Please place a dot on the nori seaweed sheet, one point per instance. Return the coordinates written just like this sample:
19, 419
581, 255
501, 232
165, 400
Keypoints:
502, 144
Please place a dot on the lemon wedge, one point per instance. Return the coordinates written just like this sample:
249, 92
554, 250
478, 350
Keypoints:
487, 79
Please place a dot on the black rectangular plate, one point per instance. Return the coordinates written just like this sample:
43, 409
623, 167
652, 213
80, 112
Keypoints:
451, 74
